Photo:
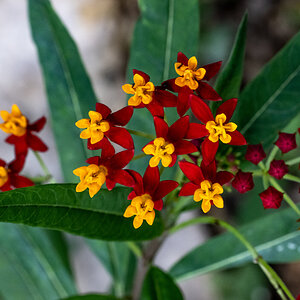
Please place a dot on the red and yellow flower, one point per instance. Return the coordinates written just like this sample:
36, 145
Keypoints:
145, 94
104, 169
205, 184
147, 195
103, 125
214, 129
21, 132
170, 142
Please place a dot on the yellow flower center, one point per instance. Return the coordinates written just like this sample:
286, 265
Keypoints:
218, 130
95, 127
3, 176
161, 151
14, 123
189, 74
142, 207
142, 91
209, 193
91, 177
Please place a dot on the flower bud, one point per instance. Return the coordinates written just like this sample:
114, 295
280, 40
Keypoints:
286, 142
243, 182
278, 169
271, 198
255, 153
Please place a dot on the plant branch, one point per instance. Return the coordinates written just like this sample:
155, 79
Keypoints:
44, 167
142, 134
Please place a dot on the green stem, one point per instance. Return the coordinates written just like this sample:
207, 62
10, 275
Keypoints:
257, 173
286, 197
262, 166
293, 161
292, 178
44, 167
161, 170
135, 249
139, 156
40, 179
274, 279
271, 156
142, 134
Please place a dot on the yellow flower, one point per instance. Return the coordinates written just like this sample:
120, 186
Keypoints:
95, 127
141, 91
14, 123
218, 130
91, 177
161, 151
209, 192
3, 176
189, 74
142, 207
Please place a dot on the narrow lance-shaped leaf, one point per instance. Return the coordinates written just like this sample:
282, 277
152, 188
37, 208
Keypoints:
275, 237
92, 297
159, 285
27, 271
271, 100
69, 91
58, 206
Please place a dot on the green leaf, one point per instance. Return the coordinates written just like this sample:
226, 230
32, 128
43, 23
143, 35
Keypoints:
275, 237
119, 261
92, 297
229, 81
58, 206
31, 266
271, 100
159, 285
163, 29
69, 91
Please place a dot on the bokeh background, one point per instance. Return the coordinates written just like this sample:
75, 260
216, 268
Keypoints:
102, 30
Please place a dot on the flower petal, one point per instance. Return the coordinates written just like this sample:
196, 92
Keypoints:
191, 171
178, 130
144, 75
17, 164
164, 188
165, 98
200, 109
121, 137
121, 159
237, 138
209, 170
183, 103
121, 117
95, 160
110, 184
155, 108
227, 108
35, 143
103, 110
151, 180
123, 177
37, 125
206, 92
20, 143
171, 85
184, 147
139, 185
182, 58
188, 189
209, 150
161, 127
158, 204
224, 177
107, 149
211, 70
196, 131
20, 181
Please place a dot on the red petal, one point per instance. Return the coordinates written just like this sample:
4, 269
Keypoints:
20, 143
121, 137
196, 131
158, 204
103, 110
191, 171
188, 189
161, 127
37, 125
183, 102
165, 98
170, 85
212, 70
123, 177
17, 165
200, 109
121, 117
2, 163
237, 138
184, 147
174, 159
95, 160
110, 184
179, 129
20, 181
6, 186
131, 195
209, 170
35, 143
139, 185
209, 150
206, 92
164, 188
224, 177
121, 159
227, 108
144, 75
151, 179
182, 58
155, 108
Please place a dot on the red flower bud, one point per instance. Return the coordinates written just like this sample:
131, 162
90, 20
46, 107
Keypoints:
255, 153
278, 169
271, 198
286, 142
243, 182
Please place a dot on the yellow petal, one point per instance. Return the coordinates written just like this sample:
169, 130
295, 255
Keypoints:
192, 63
180, 68
4, 115
180, 81
81, 186
150, 217
170, 148
166, 160
15, 111
230, 127
134, 101
225, 138
81, 171
146, 99
137, 222
154, 161
104, 126
205, 206
150, 86
193, 84
83, 123
200, 73
85, 134
96, 136
149, 149
95, 116
130, 211
138, 80
220, 118
128, 89
217, 188
218, 201
93, 189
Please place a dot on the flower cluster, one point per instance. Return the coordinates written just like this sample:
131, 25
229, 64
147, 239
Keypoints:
190, 89
22, 136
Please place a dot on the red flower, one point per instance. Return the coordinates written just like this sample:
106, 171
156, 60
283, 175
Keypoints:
255, 153
298, 297
214, 129
278, 169
169, 142
104, 125
286, 142
103, 169
205, 184
145, 94
9, 174
147, 195
271, 198
243, 182
192, 79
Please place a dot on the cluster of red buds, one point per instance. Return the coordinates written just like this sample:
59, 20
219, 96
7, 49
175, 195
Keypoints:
189, 90
22, 137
